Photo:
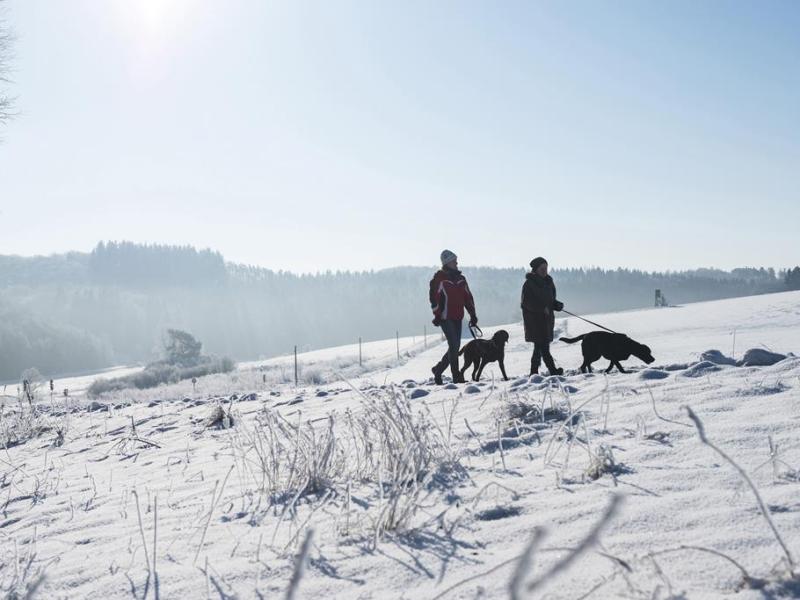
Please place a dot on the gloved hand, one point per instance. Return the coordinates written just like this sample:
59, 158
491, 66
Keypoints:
436, 321
557, 305
473, 322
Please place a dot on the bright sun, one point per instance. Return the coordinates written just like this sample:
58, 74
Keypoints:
156, 15
152, 18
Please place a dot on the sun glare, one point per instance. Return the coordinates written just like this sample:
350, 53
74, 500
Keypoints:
151, 19
155, 13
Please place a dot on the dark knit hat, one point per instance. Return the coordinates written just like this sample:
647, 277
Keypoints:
537, 262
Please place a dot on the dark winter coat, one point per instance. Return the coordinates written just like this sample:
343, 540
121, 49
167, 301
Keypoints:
538, 305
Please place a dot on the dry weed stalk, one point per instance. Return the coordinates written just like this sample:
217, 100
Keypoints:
790, 563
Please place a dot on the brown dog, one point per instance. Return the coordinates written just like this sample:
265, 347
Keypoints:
479, 353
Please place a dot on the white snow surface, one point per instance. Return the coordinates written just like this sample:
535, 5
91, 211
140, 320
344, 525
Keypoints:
225, 510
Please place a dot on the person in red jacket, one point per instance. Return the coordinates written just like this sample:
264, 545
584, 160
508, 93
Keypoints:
449, 296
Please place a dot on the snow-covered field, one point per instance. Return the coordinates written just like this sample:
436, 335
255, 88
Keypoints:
370, 482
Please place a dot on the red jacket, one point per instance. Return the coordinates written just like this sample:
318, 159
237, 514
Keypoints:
449, 295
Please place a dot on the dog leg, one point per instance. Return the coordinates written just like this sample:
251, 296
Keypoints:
502, 369
467, 363
476, 374
610, 366
619, 367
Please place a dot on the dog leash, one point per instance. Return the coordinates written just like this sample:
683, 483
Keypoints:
588, 321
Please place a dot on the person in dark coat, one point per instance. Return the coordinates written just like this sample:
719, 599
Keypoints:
539, 304
450, 295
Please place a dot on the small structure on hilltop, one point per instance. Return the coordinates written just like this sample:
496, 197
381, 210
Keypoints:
661, 299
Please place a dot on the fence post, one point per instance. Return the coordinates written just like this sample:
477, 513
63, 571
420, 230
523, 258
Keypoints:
397, 338
359, 351
295, 366
425, 334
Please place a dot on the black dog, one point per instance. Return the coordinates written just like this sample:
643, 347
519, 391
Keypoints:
481, 352
613, 346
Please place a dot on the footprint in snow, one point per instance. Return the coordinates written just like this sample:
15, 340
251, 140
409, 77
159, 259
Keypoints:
676, 367
649, 374
498, 512
94, 406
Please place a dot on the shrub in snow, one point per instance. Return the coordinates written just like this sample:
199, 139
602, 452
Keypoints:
717, 357
650, 374
700, 369
25, 422
603, 462
313, 376
160, 373
758, 357
219, 417
292, 459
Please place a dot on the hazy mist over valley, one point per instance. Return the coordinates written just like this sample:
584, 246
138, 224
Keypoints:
75, 312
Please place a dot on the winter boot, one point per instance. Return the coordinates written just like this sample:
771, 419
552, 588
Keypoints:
437, 376
534, 367
551, 365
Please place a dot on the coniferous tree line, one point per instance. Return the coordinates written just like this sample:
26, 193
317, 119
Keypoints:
792, 279
155, 265
77, 311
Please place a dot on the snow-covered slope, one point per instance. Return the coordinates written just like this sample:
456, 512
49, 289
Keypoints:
418, 491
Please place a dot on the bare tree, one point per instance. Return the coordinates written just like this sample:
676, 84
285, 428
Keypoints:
5, 59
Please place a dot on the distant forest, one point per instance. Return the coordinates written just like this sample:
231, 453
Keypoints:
75, 312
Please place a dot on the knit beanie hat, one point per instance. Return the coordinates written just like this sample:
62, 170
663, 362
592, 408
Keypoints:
537, 262
447, 256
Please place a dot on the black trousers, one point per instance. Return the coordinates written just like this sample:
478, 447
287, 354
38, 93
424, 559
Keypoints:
541, 350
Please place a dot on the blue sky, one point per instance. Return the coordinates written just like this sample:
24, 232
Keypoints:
352, 135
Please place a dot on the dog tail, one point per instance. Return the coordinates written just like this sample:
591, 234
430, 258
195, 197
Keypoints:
573, 340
